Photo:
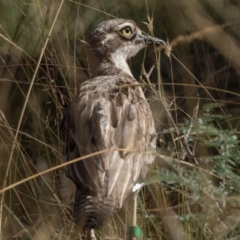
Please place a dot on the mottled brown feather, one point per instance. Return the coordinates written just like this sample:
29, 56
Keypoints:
110, 112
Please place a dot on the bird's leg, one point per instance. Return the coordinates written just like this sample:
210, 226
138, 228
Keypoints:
134, 222
92, 235
134, 231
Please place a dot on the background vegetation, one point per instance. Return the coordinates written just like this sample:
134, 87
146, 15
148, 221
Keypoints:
193, 190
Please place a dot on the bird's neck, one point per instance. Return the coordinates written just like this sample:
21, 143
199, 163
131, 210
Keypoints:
113, 64
120, 62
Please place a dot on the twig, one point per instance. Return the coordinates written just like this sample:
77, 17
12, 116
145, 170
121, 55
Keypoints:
197, 35
63, 165
182, 138
21, 117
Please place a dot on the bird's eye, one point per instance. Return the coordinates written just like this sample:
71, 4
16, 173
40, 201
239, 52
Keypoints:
127, 31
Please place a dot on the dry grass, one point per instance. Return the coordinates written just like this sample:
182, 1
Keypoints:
193, 190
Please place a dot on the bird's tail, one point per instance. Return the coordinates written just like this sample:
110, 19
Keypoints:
92, 212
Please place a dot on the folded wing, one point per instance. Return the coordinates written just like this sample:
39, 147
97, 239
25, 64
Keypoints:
106, 116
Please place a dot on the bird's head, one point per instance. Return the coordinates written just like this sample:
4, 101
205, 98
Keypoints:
118, 40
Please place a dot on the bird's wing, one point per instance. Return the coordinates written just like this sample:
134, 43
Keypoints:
102, 117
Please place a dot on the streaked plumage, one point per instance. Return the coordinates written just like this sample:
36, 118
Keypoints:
110, 112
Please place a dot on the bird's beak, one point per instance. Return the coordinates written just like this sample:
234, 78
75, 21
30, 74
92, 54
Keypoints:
152, 40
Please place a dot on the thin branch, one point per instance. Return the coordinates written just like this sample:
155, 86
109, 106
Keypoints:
182, 138
21, 117
63, 165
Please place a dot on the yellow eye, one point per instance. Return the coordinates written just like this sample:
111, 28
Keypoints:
127, 31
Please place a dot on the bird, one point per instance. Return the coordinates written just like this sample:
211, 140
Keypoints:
110, 113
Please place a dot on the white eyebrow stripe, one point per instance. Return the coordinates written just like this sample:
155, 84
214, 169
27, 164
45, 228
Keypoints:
126, 25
